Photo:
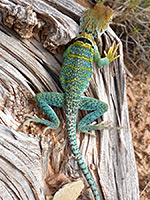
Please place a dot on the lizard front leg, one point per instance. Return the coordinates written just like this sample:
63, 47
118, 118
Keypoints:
44, 100
109, 57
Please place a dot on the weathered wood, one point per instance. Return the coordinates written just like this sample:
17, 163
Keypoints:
33, 17
23, 165
26, 67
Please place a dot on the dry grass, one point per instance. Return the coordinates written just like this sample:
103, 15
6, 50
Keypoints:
132, 25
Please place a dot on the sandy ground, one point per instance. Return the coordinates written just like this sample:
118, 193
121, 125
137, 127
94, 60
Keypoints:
138, 92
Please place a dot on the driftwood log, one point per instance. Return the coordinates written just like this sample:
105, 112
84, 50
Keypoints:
33, 35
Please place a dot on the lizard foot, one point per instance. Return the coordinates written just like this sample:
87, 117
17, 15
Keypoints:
101, 126
111, 53
32, 118
106, 125
36, 119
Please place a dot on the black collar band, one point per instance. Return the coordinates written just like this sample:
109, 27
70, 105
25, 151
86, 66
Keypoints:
84, 40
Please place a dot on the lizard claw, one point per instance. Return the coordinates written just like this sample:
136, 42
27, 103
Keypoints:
28, 120
45, 129
111, 53
31, 116
89, 133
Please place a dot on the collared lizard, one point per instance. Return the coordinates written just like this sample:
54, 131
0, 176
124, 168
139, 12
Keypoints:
75, 77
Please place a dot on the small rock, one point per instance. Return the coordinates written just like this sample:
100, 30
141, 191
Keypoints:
69, 191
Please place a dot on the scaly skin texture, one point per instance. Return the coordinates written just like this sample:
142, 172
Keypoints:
75, 77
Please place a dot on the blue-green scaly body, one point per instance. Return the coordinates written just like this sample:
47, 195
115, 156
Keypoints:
75, 77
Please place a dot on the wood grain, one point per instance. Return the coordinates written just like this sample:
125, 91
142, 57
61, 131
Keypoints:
31, 31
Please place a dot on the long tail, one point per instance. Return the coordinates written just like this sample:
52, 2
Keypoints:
71, 134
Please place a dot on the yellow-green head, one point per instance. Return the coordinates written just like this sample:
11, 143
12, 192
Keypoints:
96, 20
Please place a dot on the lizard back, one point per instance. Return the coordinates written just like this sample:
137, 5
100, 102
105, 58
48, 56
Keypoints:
77, 67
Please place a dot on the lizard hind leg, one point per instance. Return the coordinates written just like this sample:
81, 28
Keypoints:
44, 100
98, 108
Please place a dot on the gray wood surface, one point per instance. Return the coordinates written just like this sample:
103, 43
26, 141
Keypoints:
23, 165
30, 32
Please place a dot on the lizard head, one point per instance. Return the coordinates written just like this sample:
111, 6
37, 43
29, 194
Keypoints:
96, 20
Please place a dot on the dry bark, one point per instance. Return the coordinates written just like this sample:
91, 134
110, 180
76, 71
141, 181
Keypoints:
31, 31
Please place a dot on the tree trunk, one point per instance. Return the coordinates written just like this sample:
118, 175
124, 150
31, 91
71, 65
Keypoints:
33, 36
